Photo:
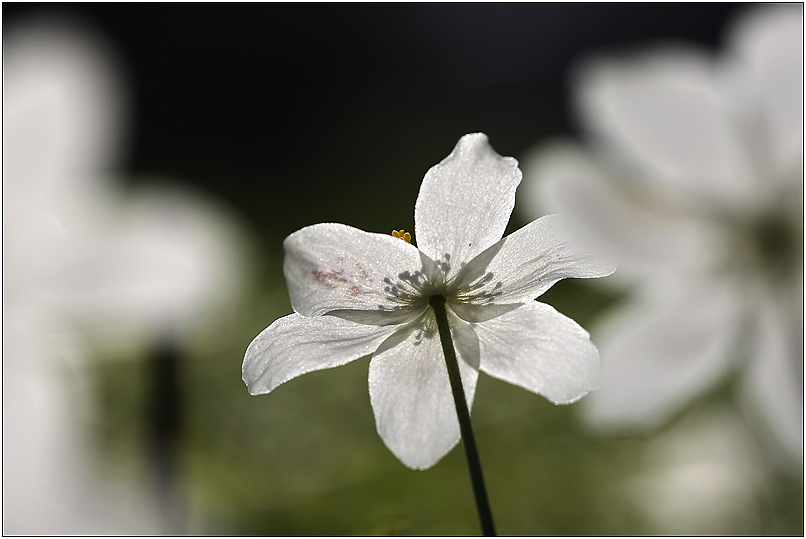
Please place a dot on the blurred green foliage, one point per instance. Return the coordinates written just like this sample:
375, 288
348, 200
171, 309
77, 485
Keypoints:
306, 459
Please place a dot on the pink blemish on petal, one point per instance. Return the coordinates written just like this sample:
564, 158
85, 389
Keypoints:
331, 279
361, 271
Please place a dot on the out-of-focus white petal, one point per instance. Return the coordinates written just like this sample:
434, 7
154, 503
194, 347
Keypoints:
702, 477
333, 267
767, 71
64, 107
168, 260
411, 394
296, 344
525, 264
49, 466
562, 178
78, 257
62, 126
773, 381
657, 355
465, 203
664, 112
539, 349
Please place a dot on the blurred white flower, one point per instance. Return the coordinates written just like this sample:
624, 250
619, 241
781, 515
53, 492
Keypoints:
75, 245
356, 293
703, 477
84, 263
694, 184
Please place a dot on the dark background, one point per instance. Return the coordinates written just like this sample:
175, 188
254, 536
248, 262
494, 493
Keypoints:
300, 113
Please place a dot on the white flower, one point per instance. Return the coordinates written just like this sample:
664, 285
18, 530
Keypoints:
356, 293
129, 265
82, 263
696, 188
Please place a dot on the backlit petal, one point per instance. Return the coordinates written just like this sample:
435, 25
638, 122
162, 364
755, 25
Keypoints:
296, 344
333, 267
539, 349
465, 203
410, 392
525, 264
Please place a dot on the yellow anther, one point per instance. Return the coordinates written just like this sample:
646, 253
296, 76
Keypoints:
403, 235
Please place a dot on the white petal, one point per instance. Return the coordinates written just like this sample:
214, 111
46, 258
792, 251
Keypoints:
63, 113
657, 356
168, 260
64, 103
774, 378
666, 113
331, 267
769, 71
295, 344
410, 392
539, 349
474, 312
465, 202
525, 264
562, 178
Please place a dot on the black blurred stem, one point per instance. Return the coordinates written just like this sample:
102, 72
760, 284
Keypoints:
465, 427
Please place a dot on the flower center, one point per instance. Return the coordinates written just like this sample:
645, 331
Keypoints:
769, 244
774, 240
402, 234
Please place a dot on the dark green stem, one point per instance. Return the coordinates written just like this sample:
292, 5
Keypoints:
466, 429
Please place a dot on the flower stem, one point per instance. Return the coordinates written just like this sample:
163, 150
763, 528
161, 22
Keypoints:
465, 427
